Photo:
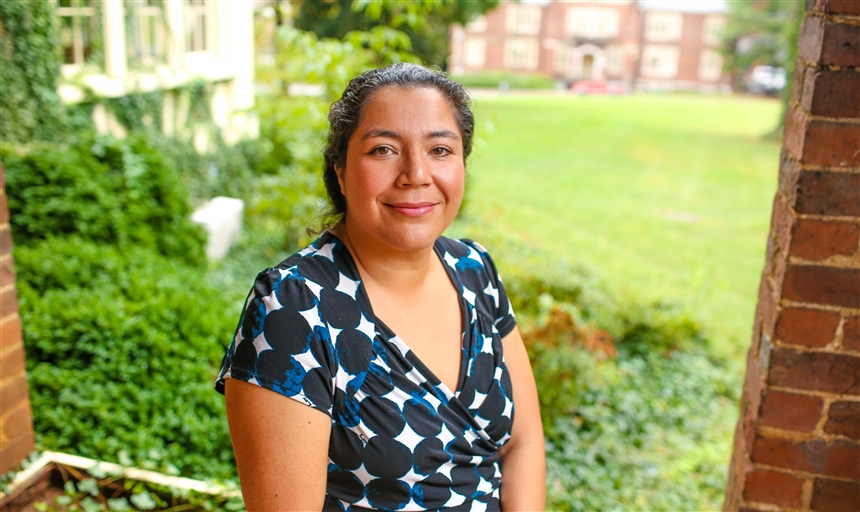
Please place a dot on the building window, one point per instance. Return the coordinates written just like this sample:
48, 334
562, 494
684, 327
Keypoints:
79, 29
563, 60
479, 24
710, 66
614, 61
146, 33
660, 61
713, 29
523, 19
590, 22
476, 51
521, 53
196, 25
663, 27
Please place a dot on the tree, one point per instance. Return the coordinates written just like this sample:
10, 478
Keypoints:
764, 32
425, 22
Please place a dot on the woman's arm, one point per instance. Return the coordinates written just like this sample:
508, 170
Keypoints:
523, 458
281, 448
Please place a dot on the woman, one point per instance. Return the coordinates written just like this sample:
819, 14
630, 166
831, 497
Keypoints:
388, 337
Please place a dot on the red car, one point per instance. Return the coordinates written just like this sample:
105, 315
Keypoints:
599, 87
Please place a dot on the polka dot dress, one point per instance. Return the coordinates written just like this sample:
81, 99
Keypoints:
400, 438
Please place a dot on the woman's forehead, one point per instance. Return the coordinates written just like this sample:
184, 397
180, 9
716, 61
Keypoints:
407, 109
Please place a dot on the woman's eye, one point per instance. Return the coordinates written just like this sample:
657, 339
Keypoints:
381, 151
440, 151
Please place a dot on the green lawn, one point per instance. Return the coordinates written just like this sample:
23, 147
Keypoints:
666, 197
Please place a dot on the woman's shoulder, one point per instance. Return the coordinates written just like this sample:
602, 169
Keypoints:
482, 286
465, 253
320, 264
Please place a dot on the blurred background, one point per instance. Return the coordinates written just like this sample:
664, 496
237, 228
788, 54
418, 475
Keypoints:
157, 154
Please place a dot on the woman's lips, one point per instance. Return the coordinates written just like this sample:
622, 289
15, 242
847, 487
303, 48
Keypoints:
412, 209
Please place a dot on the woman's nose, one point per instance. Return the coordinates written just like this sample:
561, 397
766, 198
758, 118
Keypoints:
415, 170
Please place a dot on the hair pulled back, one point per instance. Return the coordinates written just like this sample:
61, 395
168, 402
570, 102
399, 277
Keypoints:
345, 115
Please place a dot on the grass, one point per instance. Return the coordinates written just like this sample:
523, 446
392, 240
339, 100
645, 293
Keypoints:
665, 197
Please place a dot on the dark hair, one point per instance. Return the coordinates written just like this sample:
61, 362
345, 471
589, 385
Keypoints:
345, 114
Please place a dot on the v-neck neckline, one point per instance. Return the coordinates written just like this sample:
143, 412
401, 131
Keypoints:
465, 315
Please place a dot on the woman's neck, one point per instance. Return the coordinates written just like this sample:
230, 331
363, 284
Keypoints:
384, 266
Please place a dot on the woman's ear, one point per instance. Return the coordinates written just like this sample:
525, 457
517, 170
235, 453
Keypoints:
339, 171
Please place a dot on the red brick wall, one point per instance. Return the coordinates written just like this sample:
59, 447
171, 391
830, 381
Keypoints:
797, 443
16, 421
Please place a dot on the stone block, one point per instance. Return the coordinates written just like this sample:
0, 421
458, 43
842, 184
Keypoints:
222, 219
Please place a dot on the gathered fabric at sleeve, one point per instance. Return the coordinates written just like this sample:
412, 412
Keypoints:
280, 343
492, 292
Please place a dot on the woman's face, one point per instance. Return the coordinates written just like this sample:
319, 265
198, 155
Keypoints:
404, 174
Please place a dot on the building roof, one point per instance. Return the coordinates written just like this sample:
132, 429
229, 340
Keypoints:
697, 6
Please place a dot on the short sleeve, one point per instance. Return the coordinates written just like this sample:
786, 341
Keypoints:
497, 299
279, 343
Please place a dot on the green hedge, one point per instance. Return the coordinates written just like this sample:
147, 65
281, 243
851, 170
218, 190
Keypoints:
102, 189
123, 331
122, 348
494, 79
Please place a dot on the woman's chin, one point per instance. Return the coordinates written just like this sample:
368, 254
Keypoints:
408, 237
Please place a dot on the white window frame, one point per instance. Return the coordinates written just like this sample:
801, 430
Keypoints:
77, 12
663, 27
198, 14
614, 60
479, 24
710, 66
563, 62
522, 53
712, 29
592, 22
144, 12
660, 61
523, 19
474, 51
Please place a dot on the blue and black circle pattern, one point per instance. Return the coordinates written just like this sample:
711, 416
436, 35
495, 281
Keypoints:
400, 439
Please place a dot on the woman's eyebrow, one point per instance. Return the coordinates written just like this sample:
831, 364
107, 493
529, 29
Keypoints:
380, 133
440, 134
443, 134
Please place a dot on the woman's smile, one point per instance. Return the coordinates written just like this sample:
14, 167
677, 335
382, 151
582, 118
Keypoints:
412, 209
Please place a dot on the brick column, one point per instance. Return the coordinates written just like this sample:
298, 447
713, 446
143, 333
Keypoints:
797, 443
16, 420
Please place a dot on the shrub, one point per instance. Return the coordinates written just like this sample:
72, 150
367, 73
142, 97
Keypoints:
494, 79
105, 190
122, 346
644, 433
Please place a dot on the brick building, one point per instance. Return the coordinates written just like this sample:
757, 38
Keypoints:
797, 443
653, 44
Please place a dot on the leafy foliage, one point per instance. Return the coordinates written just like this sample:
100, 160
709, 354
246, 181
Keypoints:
423, 22
640, 433
770, 29
102, 189
496, 79
30, 107
122, 348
